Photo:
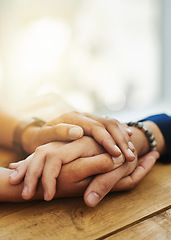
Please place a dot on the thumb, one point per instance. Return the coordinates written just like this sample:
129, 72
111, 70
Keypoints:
144, 166
59, 132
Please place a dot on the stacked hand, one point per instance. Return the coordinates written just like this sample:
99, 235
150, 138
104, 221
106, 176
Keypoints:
85, 163
111, 134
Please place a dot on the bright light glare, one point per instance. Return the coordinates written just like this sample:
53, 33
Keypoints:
40, 48
47, 88
115, 100
1, 73
80, 101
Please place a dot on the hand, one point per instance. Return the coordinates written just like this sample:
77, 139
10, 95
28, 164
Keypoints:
77, 175
144, 166
47, 160
119, 179
73, 180
46, 134
109, 133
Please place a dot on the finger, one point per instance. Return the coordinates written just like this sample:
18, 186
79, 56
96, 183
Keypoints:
20, 169
84, 167
126, 133
84, 147
69, 188
145, 165
50, 173
14, 165
101, 185
120, 133
122, 140
59, 132
32, 175
129, 131
92, 128
66, 154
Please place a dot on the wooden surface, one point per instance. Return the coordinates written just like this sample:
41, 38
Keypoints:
143, 213
156, 227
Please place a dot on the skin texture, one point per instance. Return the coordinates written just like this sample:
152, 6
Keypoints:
39, 135
110, 133
73, 180
97, 161
141, 144
104, 183
47, 160
60, 129
99, 128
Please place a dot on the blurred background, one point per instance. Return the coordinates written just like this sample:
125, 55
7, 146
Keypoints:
109, 57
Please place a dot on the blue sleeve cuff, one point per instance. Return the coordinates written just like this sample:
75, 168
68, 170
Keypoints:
164, 123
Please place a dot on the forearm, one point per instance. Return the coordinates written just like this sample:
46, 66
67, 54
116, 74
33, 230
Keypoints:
8, 123
8, 192
141, 142
65, 187
12, 193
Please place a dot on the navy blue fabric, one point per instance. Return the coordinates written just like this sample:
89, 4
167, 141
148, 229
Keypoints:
164, 123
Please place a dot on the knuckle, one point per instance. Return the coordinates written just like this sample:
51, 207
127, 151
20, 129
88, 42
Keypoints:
39, 150
46, 176
107, 167
95, 128
105, 141
114, 122
19, 171
124, 141
20, 168
105, 186
107, 163
132, 184
55, 157
31, 173
66, 117
51, 154
98, 124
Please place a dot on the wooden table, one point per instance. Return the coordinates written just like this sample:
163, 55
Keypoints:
143, 213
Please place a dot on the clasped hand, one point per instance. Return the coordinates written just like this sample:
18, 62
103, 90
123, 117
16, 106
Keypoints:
71, 167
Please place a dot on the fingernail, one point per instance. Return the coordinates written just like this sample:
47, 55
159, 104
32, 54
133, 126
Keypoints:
131, 146
118, 160
93, 199
25, 191
131, 154
129, 131
46, 196
75, 132
117, 149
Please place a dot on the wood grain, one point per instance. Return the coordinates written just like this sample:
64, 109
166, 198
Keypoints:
71, 219
154, 228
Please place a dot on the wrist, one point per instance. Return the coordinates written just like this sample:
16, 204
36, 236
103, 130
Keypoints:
161, 145
28, 139
24, 134
141, 142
